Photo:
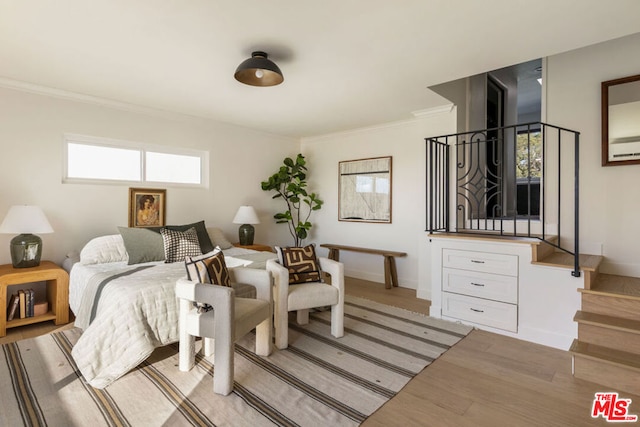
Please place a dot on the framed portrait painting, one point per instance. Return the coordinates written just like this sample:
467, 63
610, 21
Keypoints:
147, 207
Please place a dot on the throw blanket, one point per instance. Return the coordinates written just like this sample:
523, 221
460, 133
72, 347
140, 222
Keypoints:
135, 314
128, 311
91, 296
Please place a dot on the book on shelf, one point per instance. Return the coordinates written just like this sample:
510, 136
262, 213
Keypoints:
27, 303
32, 301
14, 302
23, 300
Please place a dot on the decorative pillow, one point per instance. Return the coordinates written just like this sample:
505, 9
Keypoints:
180, 244
208, 268
104, 249
218, 239
302, 263
203, 237
142, 245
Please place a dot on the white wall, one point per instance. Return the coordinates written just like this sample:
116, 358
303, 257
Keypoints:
404, 141
609, 197
31, 144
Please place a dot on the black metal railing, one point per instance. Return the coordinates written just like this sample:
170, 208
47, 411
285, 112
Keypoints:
507, 181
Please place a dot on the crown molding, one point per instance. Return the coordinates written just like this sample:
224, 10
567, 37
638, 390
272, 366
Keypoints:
434, 111
90, 99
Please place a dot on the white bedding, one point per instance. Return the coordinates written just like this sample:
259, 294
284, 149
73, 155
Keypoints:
134, 314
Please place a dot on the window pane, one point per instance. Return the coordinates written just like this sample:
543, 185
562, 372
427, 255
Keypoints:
96, 162
181, 169
529, 155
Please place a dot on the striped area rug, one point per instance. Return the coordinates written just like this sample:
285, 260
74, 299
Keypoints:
318, 380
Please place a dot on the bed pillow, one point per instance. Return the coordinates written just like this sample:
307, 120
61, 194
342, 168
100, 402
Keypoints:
203, 237
142, 244
302, 263
104, 249
178, 245
218, 238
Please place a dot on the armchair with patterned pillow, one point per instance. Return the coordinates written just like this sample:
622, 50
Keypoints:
298, 286
209, 308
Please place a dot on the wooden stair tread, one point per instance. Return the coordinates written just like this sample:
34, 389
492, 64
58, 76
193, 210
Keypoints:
563, 259
605, 321
606, 355
615, 286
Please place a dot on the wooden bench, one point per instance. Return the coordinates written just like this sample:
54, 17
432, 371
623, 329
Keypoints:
390, 272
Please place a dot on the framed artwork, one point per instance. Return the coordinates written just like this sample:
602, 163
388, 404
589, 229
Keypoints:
147, 207
364, 188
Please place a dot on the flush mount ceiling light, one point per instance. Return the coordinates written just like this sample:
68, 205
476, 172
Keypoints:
259, 71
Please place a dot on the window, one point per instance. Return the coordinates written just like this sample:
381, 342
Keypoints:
529, 155
92, 159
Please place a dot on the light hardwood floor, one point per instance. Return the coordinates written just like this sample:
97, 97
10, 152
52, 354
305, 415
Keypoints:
485, 380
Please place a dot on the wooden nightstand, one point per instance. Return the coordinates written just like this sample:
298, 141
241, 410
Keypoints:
57, 293
255, 247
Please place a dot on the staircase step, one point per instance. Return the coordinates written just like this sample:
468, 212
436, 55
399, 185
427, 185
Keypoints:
610, 322
602, 365
565, 260
606, 355
610, 304
609, 331
620, 286
541, 249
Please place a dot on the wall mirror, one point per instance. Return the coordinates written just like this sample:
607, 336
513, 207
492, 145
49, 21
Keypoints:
364, 188
621, 121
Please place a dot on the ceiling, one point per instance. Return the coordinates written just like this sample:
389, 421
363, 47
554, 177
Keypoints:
346, 63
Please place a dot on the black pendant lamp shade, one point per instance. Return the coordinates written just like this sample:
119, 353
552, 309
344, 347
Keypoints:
259, 71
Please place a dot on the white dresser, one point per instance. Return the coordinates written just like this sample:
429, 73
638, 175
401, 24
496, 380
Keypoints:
491, 283
480, 287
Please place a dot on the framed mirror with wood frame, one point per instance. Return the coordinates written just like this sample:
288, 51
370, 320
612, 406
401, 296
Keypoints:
621, 121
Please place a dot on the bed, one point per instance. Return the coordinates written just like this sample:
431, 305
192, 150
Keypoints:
128, 309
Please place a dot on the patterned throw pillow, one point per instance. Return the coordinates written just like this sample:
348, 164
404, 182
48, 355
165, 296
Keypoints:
180, 244
302, 263
207, 268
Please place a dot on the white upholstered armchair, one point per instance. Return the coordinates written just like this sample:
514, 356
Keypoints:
303, 296
231, 318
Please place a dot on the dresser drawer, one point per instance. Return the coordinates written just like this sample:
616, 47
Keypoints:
480, 261
483, 285
499, 315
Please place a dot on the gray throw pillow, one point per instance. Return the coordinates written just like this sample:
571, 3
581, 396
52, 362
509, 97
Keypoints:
142, 245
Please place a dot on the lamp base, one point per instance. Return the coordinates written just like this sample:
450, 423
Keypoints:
245, 233
26, 250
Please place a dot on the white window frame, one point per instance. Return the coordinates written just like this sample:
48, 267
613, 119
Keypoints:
143, 148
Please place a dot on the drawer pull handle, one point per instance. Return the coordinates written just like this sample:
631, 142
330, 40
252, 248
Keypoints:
477, 261
477, 284
476, 310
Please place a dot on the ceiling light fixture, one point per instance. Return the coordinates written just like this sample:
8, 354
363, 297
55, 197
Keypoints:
259, 71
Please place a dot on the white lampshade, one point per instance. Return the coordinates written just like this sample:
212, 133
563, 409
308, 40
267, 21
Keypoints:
25, 219
246, 215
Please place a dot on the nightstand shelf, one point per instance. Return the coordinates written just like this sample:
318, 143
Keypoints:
255, 247
57, 282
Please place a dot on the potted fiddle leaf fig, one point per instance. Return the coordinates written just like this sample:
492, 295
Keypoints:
290, 184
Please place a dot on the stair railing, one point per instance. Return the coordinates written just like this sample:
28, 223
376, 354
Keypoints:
509, 181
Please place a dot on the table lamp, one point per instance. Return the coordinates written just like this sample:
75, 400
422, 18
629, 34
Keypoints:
26, 248
246, 216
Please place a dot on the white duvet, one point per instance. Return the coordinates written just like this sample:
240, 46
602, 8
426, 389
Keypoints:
133, 315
